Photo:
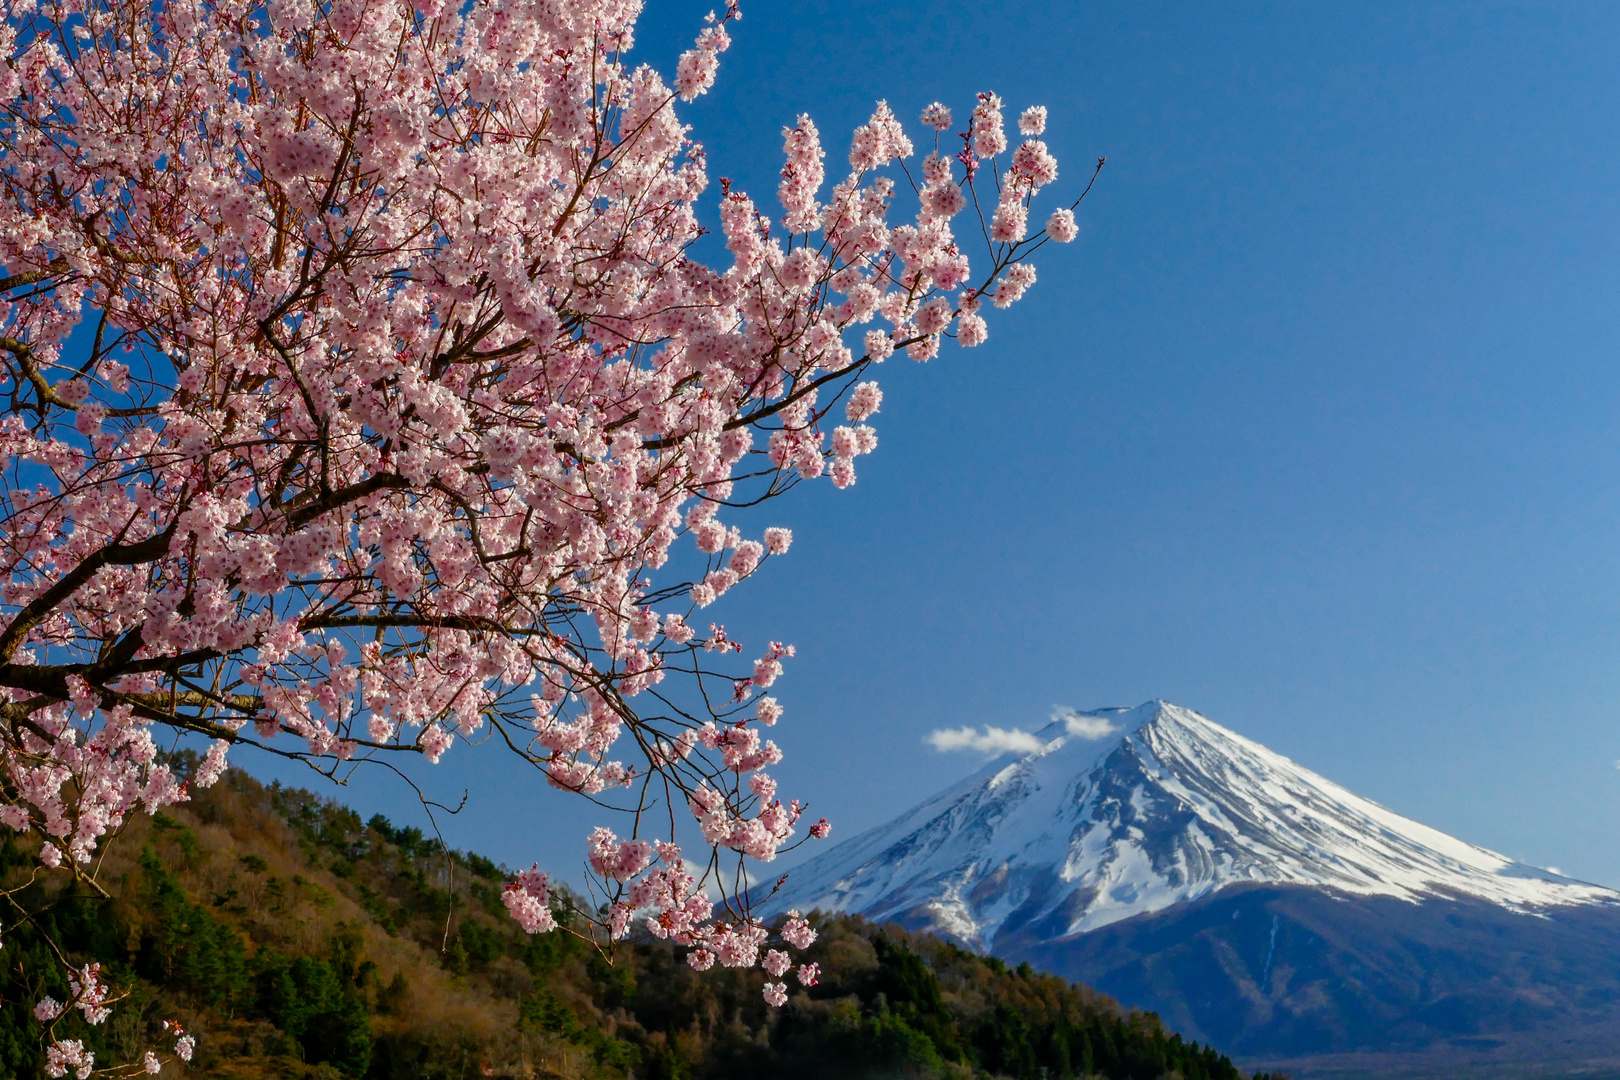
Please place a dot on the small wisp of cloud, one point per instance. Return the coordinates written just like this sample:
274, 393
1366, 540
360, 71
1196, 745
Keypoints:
1082, 726
992, 741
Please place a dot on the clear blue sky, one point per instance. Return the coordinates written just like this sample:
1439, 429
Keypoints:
1314, 430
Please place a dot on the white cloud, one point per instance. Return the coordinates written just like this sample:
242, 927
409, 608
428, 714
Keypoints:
992, 740
1084, 727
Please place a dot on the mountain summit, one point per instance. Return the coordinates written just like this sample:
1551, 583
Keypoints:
1124, 812
1251, 903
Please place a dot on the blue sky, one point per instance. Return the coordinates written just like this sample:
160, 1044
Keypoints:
1314, 430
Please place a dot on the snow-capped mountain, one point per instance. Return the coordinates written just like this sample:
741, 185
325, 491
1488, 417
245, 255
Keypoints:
1253, 904
1123, 812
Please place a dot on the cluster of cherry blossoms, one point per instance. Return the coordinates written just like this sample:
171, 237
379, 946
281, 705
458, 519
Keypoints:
73, 779
399, 383
93, 999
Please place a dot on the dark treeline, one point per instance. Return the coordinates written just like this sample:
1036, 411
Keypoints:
297, 940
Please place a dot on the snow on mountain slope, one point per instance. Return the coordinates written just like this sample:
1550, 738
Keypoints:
1167, 806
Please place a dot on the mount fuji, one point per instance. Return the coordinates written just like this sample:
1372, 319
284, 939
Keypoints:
1251, 902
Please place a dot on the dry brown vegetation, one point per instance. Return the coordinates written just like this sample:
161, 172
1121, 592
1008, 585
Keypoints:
298, 941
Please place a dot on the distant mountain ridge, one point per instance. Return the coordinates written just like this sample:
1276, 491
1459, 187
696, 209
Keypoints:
1343, 926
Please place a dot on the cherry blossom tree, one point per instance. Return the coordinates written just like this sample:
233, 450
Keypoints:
370, 393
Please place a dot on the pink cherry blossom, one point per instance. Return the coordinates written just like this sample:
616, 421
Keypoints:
1009, 223
69, 1054
620, 860
879, 141
802, 176
89, 993
934, 316
989, 132
797, 932
1061, 225
1013, 285
863, 401
1033, 165
937, 116
385, 471
776, 962
528, 900
971, 331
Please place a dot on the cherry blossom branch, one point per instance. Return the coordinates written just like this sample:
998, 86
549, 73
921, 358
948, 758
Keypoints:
415, 416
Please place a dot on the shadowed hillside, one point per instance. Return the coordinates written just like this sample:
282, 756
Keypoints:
1386, 988
297, 940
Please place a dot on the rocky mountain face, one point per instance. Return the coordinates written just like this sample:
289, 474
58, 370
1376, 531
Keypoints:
1253, 903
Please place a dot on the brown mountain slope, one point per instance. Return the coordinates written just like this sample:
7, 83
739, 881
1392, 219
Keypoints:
297, 941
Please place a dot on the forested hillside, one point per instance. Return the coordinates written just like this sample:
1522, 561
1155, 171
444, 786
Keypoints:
296, 940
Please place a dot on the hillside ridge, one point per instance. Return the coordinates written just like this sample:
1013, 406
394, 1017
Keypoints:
297, 940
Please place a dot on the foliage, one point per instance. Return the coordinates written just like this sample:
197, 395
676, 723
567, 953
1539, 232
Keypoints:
295, 938
412, 408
